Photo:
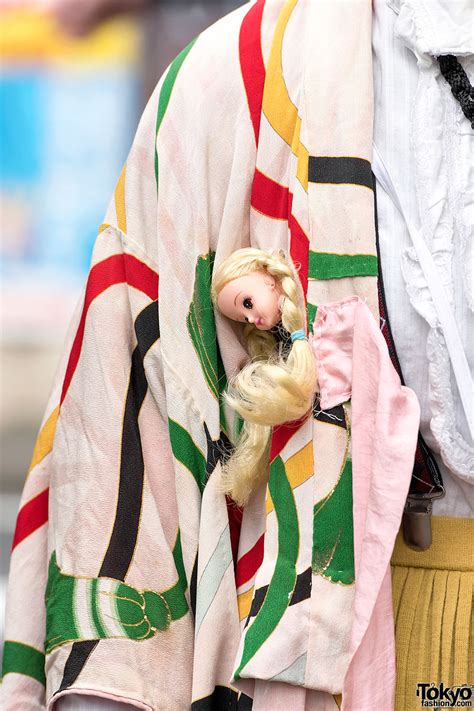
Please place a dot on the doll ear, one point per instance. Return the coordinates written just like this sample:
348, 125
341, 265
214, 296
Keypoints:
270, 281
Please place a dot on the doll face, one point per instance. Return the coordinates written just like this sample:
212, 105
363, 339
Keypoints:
253, 298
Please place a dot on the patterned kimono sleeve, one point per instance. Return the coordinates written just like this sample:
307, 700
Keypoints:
97, 585
122, 573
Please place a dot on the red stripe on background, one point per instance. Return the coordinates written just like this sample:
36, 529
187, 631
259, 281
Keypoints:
269, 197
118, 269
31, 516
234, 514
249, 563
282, 434
299, 246
251, 62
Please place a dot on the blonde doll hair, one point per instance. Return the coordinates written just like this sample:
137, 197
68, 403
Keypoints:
271, 389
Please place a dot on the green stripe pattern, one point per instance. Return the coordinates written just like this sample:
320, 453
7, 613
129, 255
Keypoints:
174, 596
333, 532
326, 265
165, 93
19, 658
187, 452
201, 326
333, 526
311, 310
81, 608
284, 576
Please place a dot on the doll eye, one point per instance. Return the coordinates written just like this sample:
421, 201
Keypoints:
247, 302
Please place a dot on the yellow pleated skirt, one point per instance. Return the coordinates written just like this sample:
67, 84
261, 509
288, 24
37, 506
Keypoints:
433, 610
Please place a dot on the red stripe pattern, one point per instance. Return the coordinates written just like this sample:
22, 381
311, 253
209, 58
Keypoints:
32, 516
269, 197
251, 62
117, 269
249, 563
282, 434
299, 246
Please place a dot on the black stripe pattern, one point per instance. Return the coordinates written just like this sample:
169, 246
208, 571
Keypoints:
218, 450
325, 169
132, 467
122, 542
80, 653
333, 416
223, 699
301, 591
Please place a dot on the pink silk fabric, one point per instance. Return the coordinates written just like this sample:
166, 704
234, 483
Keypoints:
353, 363
352, 357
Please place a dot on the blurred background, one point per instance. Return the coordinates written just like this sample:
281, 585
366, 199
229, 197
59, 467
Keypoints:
75, 76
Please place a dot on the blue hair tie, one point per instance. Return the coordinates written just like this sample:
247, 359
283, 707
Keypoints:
298, 335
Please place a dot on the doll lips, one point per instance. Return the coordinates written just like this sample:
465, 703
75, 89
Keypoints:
259, 321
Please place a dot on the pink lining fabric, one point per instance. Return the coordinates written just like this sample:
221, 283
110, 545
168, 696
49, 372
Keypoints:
352, 358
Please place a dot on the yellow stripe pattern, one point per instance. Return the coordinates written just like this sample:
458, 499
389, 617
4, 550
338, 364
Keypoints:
120, 201
244, 602
298, 468
277, 106
45, 439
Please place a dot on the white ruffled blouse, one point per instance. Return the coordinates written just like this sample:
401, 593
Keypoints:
427, 144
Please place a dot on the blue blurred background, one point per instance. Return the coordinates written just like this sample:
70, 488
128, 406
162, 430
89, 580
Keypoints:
74, 78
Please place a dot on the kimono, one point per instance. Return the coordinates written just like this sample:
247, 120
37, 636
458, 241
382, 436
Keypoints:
132, 577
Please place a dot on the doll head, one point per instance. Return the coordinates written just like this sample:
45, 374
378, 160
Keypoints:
244, 289
259, 289
253, 298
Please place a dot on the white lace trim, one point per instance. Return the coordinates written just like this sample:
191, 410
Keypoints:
461, 186
455, 451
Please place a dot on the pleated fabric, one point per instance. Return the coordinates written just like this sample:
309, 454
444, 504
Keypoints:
433, 610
